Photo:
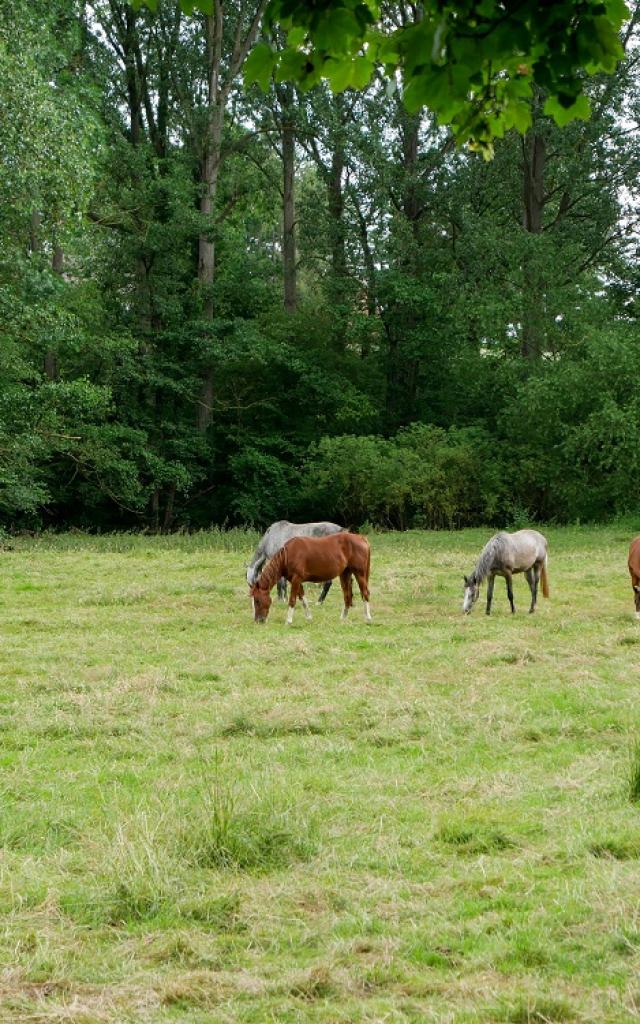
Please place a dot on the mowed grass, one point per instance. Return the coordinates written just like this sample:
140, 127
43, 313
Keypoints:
433, 818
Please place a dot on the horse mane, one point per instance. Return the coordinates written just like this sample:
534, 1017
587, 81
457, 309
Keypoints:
492, 550
272, 571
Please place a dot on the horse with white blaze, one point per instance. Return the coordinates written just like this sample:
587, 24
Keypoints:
276, 537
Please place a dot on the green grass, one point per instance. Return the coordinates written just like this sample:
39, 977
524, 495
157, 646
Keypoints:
434, 818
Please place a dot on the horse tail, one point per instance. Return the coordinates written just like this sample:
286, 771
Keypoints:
368, 560
544, 578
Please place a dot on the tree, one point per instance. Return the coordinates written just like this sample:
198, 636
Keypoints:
475, 65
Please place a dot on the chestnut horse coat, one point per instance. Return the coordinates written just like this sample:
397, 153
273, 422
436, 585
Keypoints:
316, 559
634, 570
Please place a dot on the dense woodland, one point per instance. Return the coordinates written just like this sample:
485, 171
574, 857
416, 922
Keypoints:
223, 305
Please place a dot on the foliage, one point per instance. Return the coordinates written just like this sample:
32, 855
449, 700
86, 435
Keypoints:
459, 335
474, 65
424, 476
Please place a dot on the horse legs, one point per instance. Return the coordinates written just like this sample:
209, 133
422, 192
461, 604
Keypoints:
490, 584
293, 596
635, 583
509, 581
533, 578
347, 592
325, 590
282, 589
305, 604
361, 580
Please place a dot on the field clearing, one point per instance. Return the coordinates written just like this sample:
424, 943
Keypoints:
426, 819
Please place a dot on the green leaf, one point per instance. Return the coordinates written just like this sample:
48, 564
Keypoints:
517, 115
296, 37
362, 72
337, 30
290, 66
339, 73
618, 11
259, 66
562, 115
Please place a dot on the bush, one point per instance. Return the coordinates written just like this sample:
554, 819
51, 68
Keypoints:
424, 477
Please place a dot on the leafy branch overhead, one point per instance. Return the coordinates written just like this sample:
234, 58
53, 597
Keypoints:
474, 63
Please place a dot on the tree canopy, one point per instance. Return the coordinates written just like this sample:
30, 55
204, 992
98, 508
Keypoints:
474, 64
223, 304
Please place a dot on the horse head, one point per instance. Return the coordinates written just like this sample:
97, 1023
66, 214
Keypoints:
471, 593
261, 601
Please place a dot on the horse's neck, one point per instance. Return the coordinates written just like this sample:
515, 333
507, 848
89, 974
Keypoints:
272, 572
481, 571
486, 561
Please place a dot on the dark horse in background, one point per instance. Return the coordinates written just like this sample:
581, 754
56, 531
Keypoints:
276, 537
314, 560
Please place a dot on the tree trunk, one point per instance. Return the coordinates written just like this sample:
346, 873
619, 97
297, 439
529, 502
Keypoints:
217, 96
370, 270
168, 509
288, 212
410, 200
402, 371
336, 215
155, 509
210, 175
533, 164
50, 358
133, 85
34, 231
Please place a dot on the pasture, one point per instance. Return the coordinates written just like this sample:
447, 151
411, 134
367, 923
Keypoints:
426, 819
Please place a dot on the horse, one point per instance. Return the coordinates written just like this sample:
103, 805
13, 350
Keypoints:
314, 560
276, 537
504, 555
634, 570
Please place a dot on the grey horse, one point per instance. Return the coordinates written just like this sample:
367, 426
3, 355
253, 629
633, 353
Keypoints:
276, 537
504, 555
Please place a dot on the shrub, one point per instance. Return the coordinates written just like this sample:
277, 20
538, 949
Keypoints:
424, 476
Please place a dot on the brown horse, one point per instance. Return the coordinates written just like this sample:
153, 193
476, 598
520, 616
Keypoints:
315, 560
634, 569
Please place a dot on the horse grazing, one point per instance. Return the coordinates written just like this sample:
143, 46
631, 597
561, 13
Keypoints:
634, 569
276, 537
314, 560
504, 555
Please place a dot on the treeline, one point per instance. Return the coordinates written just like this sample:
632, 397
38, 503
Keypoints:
219, 305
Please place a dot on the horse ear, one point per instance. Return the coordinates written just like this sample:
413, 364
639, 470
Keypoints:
466, 581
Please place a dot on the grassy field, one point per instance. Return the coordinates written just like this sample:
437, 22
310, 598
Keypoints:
427, 819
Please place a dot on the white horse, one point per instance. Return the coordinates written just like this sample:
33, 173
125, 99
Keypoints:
276, 537
504, 555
